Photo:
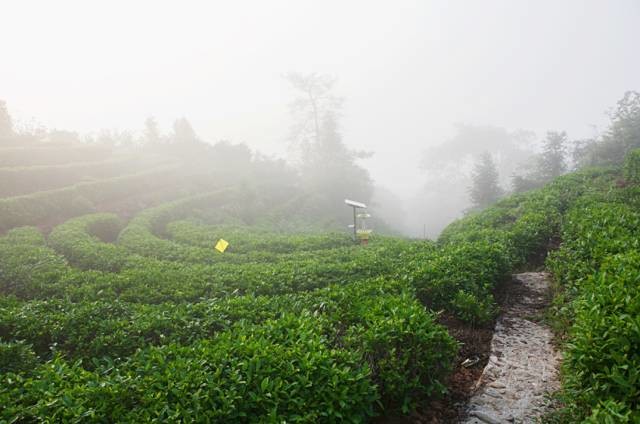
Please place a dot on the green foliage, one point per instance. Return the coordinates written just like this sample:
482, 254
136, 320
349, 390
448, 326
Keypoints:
549, 164
552, 161
378, 321
25, 236
279, 371
598, 266
632, 166
622, 136
61, 204
603, 358
485, 189
154, 324
16, 357
26, 268
400, 341
75, 241
409, 354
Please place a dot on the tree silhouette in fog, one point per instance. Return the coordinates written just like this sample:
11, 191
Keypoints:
484, 189
151, 132
327, 166
183, 132
6, 123
622, 135
552, 162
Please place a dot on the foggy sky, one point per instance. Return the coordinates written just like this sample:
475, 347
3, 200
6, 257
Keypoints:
408, 70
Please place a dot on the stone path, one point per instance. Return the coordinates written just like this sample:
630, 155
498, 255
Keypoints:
523, 366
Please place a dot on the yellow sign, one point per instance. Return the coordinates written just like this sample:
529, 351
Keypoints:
222, 245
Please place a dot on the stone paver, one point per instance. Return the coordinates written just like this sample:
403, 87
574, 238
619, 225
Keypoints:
523, 366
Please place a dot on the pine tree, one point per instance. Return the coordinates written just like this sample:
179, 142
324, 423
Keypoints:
552, 162
484, 189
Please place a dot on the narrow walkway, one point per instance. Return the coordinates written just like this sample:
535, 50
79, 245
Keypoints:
523, 366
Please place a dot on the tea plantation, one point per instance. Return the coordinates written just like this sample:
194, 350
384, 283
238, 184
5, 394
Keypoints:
135, 319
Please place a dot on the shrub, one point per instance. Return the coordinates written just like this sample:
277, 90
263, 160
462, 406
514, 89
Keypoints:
280, 371
16, 357
410, 355
602, 362
80, 241
632, 166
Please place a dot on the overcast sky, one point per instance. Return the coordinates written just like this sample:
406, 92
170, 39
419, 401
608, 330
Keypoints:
408, 70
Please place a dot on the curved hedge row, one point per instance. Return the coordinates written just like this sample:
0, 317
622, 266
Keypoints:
62, 204
24, 180
139, 236
252, 239
171, 323
43, 274
251, 374
79, 242
395, 343
484, 248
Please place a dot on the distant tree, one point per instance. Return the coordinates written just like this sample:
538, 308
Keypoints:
520, 183
6, 123
552, 162
622, 135
236, 158
277, 173
330, 166
582, 152
625, 124
544, 167
183, 132
448, 165
485, 189
314, 101
509, 150
151, 134
327, 166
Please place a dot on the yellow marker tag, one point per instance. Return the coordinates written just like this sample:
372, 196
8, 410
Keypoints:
222, 245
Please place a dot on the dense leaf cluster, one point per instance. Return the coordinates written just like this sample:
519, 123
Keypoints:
598, 266
145, 321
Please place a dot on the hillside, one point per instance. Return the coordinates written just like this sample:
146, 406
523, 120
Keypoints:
124, 312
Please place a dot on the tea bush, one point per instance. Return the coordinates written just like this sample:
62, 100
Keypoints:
16, 357
82, 198
84, 250
154, 324
632, 166
278, 371
599, 266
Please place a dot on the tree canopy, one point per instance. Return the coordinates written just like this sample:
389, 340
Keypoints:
484, 189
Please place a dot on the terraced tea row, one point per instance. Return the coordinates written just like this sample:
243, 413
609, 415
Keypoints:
144, 320
598, 306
